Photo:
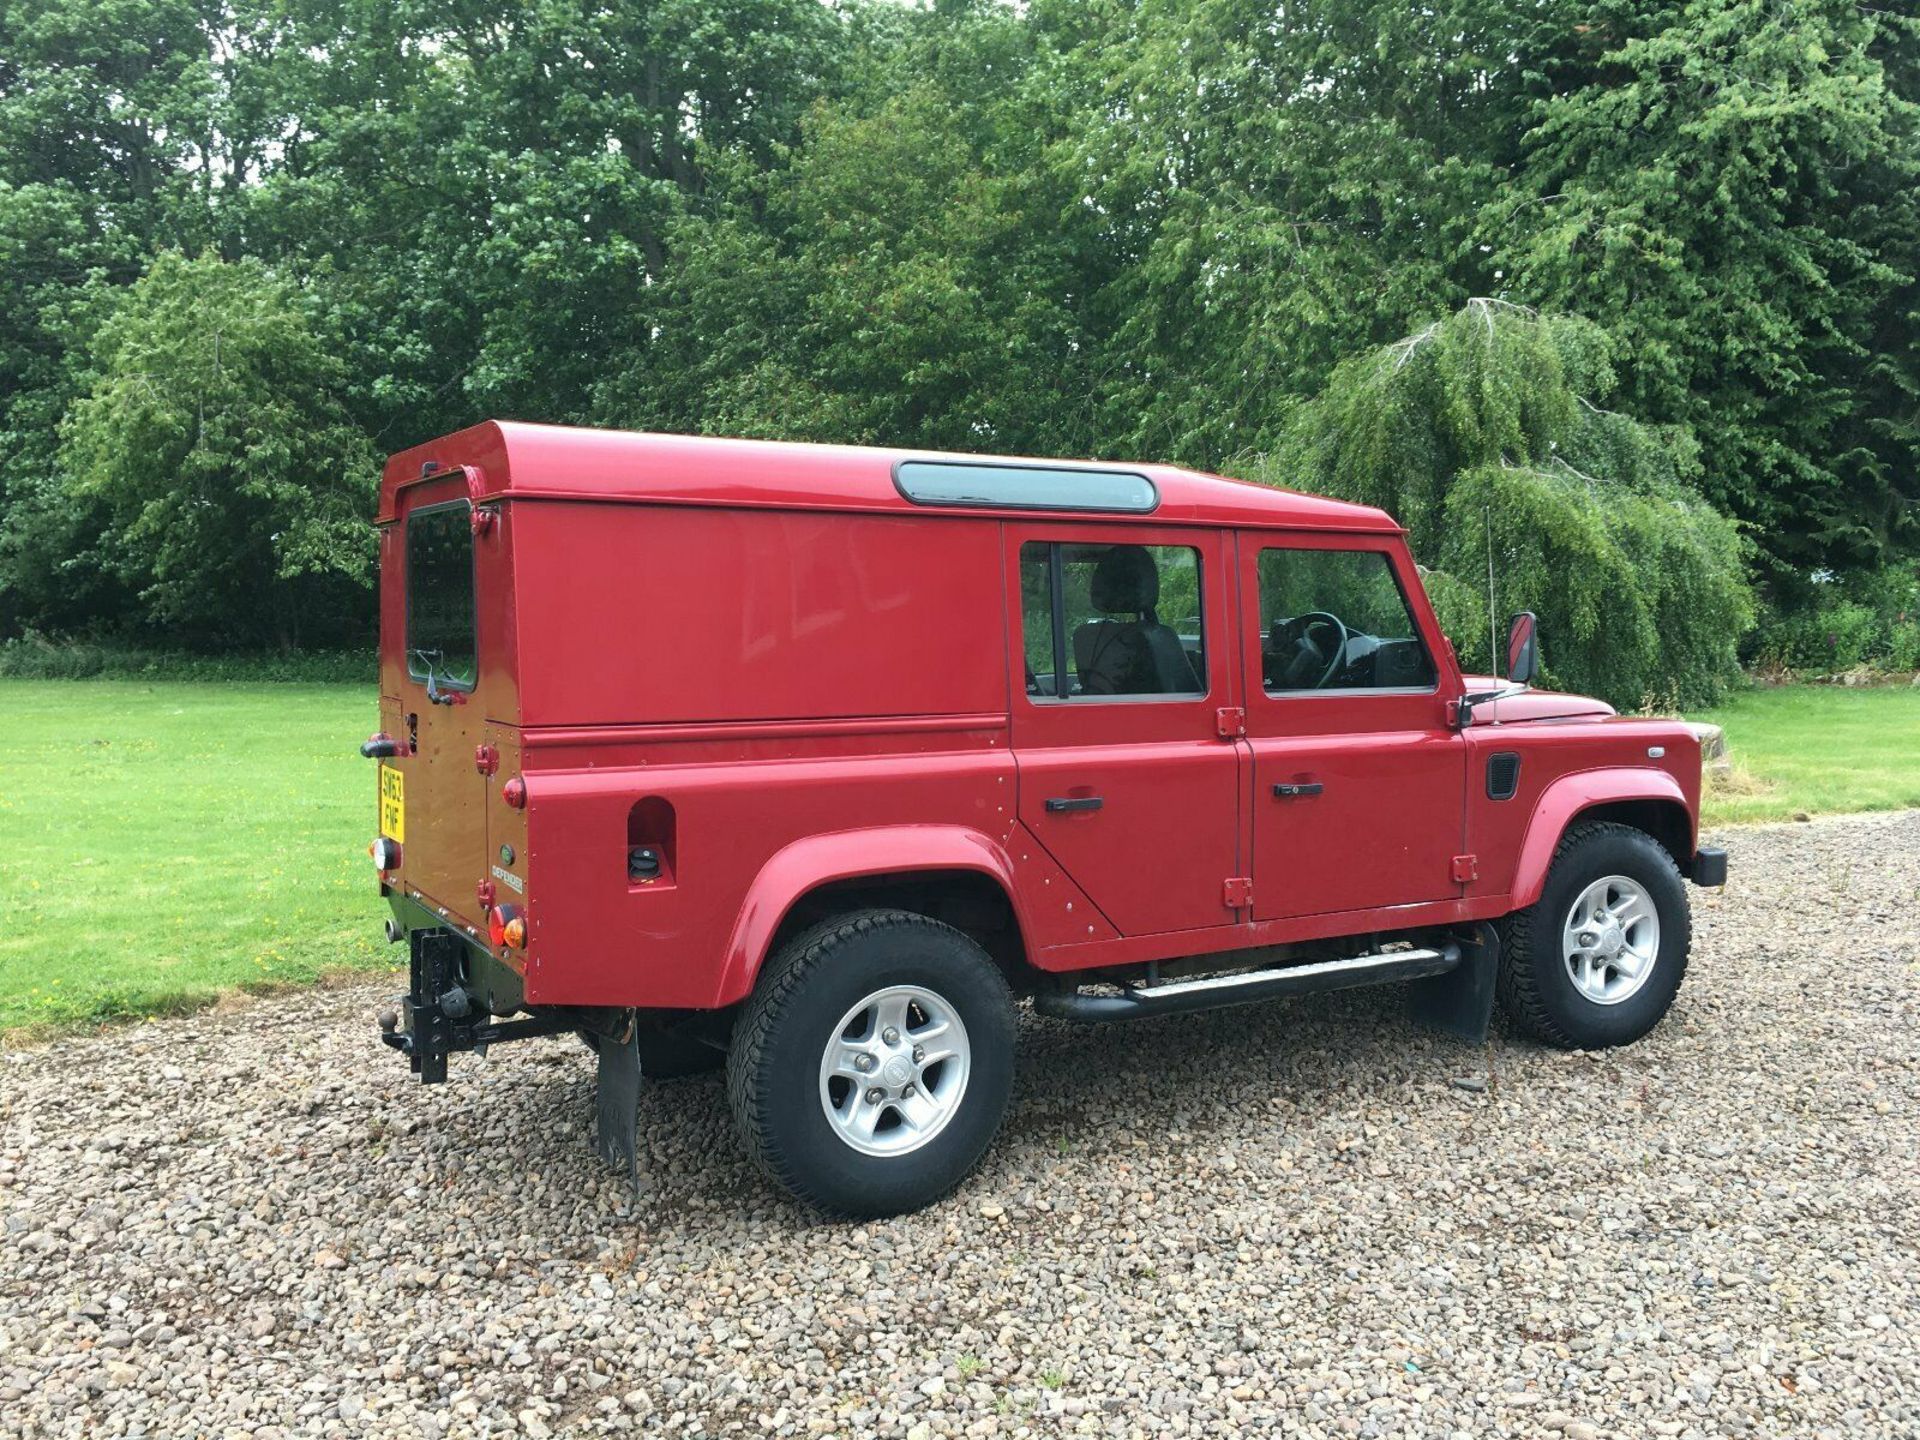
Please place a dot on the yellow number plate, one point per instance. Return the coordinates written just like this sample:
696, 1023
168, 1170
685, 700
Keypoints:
393, 804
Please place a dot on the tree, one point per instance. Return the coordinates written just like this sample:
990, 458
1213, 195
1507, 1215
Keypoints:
1733, 189
1278, 190
485, 195
903, 279
103, 107
237, 489
1485, 430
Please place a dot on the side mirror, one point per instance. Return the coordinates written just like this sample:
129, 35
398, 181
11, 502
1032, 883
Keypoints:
1523, 648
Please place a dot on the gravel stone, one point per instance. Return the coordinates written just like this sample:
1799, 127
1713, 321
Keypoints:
1303, 1218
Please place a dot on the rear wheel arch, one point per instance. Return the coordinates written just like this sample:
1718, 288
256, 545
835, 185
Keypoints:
959, 879
970, 901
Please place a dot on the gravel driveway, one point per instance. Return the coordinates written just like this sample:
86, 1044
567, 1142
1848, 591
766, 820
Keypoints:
1304, 1218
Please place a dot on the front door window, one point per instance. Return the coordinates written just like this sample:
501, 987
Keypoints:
1337, 620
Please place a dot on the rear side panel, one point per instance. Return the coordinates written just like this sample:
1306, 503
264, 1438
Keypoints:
648, 614
710, 685
602, 936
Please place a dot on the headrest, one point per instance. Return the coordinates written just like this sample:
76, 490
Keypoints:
1125, 581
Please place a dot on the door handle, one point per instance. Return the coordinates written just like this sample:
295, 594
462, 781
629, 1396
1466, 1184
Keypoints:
1061, 804
1305, 787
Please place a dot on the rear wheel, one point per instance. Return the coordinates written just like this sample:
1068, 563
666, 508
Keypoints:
1598, 959
872, 1066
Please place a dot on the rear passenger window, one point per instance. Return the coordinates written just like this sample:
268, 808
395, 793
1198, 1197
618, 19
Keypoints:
1117, 620
1337, 620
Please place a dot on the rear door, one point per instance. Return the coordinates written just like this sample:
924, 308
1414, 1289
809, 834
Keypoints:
1358, 780
434, 792
1124, 774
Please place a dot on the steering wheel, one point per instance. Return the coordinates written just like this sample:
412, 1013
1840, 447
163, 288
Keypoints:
1319, 638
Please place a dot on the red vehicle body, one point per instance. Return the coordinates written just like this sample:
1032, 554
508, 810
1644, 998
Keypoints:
722, 691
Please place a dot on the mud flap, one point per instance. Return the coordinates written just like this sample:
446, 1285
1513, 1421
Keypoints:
616, 1103
1460, 1002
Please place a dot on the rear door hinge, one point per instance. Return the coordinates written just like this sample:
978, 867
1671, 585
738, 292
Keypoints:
1465, 868
1230, 721
1236, 892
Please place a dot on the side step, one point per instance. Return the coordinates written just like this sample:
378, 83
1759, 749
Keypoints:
1212, 992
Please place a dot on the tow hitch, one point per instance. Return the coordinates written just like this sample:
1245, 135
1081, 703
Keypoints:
437, 1017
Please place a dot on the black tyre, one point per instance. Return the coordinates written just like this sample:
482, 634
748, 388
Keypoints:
1598, 959
871, 1068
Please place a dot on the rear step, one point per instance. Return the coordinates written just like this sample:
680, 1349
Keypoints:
1215, 991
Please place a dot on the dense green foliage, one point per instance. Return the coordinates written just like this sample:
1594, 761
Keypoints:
1484, 432
235, 487
1868, 620
247, 247
33, 657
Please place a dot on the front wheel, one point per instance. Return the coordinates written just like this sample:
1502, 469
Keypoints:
1597, 960
872, 1066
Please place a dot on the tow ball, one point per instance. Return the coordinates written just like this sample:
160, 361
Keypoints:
438, 1017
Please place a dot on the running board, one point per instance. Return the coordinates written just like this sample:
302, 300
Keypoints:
1213, 992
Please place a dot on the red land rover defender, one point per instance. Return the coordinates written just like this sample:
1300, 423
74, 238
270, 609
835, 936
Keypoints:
809, 760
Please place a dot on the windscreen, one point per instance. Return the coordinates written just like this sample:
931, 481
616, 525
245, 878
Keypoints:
440, 628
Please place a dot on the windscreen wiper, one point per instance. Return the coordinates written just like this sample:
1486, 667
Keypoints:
438, 695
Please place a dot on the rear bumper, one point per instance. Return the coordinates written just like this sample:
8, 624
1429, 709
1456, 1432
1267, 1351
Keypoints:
1708, 868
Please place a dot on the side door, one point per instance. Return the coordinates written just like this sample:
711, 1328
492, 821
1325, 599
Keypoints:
1120, 666
1358, 780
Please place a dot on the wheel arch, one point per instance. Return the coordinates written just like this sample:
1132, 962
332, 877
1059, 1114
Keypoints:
1647, 800
948, 872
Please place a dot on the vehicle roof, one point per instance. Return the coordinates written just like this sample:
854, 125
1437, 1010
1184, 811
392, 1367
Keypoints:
572, 463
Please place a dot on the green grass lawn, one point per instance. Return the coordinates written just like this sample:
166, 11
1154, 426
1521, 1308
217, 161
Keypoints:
1817, 750
163, 842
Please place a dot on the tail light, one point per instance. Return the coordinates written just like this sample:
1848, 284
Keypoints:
514, 792
507, 926
386, 854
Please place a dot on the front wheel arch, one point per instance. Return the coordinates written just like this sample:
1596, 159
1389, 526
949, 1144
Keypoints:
1641, 799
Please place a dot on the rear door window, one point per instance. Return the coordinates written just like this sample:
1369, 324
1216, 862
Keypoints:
1112, 620
440, 608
